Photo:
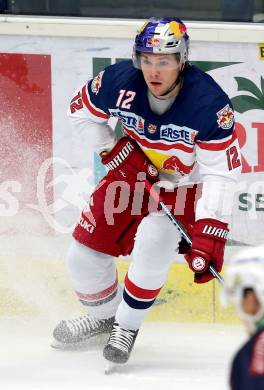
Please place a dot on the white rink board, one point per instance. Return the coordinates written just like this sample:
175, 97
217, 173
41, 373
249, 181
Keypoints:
123, 28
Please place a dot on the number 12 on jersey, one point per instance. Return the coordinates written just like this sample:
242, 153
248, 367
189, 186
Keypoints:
125, 98
233, 159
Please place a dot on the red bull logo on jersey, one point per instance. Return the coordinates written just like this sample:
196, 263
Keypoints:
225, 117
97, 82
173, 163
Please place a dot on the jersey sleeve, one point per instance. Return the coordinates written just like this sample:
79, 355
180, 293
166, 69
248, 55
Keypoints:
219, 162
91, 101
88, 112
217, 148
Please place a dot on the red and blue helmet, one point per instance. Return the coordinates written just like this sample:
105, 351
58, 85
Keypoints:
162, 36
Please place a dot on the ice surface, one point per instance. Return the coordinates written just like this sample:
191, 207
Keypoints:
166, 356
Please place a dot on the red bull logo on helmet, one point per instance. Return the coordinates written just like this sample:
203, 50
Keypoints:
225, 117
178, 29
153, 42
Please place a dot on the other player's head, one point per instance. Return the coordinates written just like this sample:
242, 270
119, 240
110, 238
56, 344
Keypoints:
161, 52
244, 285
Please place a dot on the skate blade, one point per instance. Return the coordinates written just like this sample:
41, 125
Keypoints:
93, 342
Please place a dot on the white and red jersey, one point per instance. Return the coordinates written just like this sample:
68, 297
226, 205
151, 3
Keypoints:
195, 137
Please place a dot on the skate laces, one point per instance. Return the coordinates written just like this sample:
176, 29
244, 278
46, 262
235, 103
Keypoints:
83, 325
121, 338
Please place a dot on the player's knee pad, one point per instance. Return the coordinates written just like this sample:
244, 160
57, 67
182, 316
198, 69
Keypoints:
157, 240
89, 270
155, 249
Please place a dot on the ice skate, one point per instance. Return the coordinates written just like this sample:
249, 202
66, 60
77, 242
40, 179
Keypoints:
119, 346
81, 332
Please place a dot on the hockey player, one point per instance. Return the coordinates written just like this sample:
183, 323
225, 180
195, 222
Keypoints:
178, 126
244, 287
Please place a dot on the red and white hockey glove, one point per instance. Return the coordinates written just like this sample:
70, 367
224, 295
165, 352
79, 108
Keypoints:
208, 242
126, 160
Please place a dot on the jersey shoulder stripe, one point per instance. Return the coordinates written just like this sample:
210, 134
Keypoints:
97, 112
217, 145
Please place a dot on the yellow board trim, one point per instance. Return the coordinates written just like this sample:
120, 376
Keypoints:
261, 51
43, 289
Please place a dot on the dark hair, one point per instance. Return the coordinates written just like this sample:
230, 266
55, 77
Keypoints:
247, 290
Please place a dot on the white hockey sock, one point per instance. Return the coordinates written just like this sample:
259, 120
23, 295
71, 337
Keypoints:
155, 248
94, 279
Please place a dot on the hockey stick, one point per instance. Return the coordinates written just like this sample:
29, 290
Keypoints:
176, 223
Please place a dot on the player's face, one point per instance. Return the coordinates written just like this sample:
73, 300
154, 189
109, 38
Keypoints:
160, 71
250, 303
